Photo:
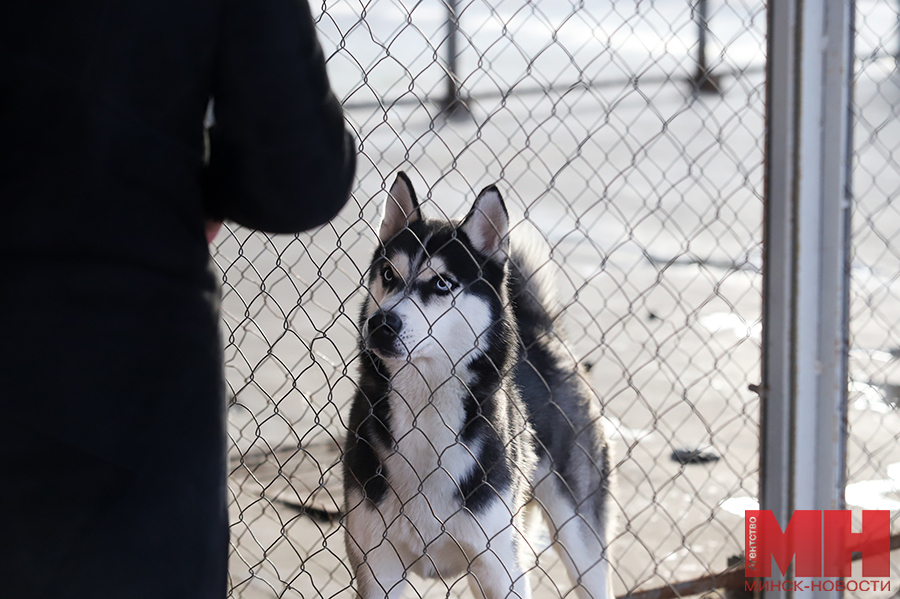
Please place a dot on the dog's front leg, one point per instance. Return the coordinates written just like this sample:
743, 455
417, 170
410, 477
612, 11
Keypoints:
497, 568
379, 572
377, 563
379, 578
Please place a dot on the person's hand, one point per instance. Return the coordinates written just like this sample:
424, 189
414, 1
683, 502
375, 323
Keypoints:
212, 229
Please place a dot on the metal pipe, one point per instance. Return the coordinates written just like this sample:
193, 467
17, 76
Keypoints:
703, 80
702, 15
806, 259
451, 103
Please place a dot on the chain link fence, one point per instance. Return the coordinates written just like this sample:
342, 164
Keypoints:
873, 450
639, 160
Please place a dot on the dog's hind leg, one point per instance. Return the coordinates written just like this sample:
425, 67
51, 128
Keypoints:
581, 536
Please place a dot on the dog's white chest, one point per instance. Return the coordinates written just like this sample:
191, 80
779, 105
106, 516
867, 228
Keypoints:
425, 471
429, 458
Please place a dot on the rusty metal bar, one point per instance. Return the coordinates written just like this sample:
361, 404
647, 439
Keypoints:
731, 579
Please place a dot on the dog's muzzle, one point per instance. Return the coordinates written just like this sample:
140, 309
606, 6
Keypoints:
382, 333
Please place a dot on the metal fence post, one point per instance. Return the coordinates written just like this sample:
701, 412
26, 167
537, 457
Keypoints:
451, 104
704, 81
806, 258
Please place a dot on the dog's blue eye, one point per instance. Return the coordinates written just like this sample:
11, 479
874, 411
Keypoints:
444, 284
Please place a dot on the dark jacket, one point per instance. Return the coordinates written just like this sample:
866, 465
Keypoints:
112, 420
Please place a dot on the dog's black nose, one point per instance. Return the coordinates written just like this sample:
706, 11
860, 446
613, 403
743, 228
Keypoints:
383, 328
385, 323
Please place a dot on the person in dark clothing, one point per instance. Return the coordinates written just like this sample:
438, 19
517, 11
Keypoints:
112, 410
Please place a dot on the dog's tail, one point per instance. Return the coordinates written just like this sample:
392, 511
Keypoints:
320, 515
532, 283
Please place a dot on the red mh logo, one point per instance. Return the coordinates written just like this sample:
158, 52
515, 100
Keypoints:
819, 551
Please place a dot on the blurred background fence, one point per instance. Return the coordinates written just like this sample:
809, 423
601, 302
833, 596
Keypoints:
637, 153
873, 444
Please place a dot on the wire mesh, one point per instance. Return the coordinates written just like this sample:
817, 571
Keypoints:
647, 192
873, 459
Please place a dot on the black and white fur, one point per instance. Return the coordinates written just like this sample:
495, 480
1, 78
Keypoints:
468, 406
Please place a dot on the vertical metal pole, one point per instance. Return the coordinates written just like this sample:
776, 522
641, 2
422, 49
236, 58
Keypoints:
451, 103
806, 259
702, 15
778, 267
703, 80
897, 51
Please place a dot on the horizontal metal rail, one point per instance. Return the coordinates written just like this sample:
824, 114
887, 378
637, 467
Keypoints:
409, 99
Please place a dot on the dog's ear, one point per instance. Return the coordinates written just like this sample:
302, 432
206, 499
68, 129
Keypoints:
400, 209
487, 224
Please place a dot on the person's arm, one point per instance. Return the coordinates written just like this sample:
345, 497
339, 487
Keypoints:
280, 158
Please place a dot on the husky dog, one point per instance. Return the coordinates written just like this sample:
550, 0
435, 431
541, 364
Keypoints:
468, 406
